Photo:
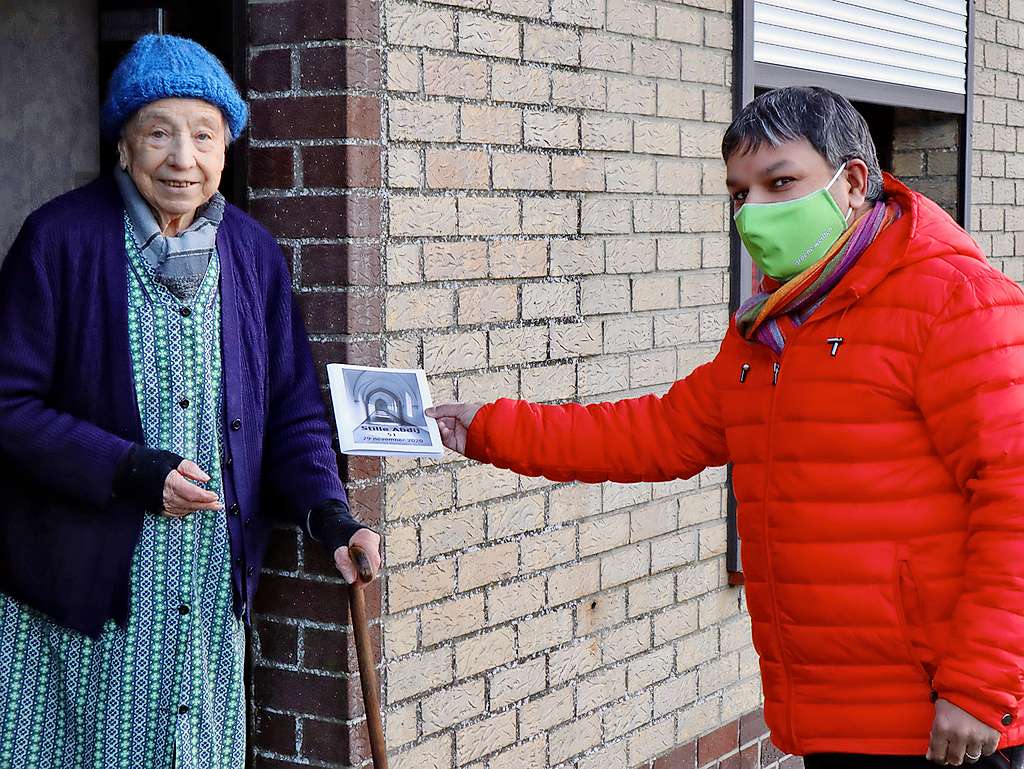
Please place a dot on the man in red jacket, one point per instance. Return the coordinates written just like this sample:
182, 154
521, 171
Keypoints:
870, 400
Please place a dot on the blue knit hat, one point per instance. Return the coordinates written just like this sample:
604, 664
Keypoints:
164, 67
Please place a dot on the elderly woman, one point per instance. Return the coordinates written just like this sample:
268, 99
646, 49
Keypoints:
156, 392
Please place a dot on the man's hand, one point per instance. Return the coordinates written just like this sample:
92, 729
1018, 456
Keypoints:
453, 420
369, 541
182, 498
957, 736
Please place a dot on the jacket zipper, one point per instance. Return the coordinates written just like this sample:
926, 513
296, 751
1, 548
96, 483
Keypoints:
776, 371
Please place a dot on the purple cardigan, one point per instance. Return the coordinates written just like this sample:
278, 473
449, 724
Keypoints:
68, 412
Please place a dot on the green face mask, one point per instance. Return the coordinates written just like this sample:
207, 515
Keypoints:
786, 238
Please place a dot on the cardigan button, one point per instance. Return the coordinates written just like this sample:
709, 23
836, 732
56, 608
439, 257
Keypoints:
182, 709
229, 461
183, 403
236, 424
1006, 720
185, 312
183, 609
250, 571
233, 510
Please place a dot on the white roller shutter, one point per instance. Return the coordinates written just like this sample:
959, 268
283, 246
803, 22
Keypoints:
917, 43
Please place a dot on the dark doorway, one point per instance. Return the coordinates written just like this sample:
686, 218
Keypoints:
218, 25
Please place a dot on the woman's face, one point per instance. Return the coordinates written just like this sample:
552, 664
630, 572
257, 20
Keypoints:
174, 151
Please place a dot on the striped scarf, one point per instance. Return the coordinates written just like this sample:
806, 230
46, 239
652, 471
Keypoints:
798, 298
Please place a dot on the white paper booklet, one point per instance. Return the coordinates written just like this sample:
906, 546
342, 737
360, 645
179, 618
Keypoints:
379, 411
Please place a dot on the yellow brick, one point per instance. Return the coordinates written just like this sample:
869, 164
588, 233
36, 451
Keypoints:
678, 177
582, 90
488, 216
548, 549
489, 386
607, 132
423, 121
544, 632
488, 36
552, 45
419, 308
518, 345
600, 214
609, 755
718, 674
403, 71
577, 172
682, 25
421, 584
675, 622
535, 9
457, 169
515, 516
418, 25
653, 59
630, 174
403, 353
403, 261
599, 689
603, 51
655, 137
476, 483
530, 755
582, 13
517, 682
655, 292
418, 216
400, 633
627, 641
603, 375
418, 494
551, 130
577, 257
648, 669
705, 65
403, 546
491, 125
577, 660
693, 720
518, 258
412, 675
574, 738
652, 368
627, 255
520, 171
451, 706
477, 654
572, 582
569, 340
483, 737
521, 84
432, 754
653, 520
549, 383
699, 140
507, 602
570, 503
632, 95
404, 168
600, 612
605, 294
679, 100
630, 17
455, 76
553, 216
491, 564
400, 726
624, 565
451, 619
549, 300
488, 304
651, 741
452, 531
455, 352
539, 715
455, 260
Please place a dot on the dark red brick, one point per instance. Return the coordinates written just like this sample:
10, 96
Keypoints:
278, 642
752, 727
364, 468
341, 165
263, 762
366, 504
683, 757
303, 20
271, 167
319, 216
749, 757
717, 743
340, 313
306, 693
791, 762
271, 70
316, 117
282, 552
335, 651
769, 753
335, 67
348, 743
276, 732
298, 598
341, 264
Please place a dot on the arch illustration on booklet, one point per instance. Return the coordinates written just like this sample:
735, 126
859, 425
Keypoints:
379, 411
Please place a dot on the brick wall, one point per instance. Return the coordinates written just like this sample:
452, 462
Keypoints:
997, 213
315, 180
555, 228
926, 154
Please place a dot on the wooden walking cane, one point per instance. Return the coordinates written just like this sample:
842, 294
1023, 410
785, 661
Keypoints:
364, 651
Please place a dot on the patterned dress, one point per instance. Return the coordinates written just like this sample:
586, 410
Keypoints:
166, 691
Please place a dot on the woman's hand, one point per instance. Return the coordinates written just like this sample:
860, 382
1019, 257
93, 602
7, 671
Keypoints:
182, 498
369, 542
453, 420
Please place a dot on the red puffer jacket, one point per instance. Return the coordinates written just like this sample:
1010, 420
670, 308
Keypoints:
880, 488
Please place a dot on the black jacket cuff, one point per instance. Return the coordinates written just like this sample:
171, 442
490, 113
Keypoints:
330, 523
141, 475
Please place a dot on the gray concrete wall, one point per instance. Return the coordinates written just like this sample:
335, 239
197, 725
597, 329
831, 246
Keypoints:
49, 119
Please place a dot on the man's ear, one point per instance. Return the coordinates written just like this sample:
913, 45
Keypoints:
857, 178
122, 154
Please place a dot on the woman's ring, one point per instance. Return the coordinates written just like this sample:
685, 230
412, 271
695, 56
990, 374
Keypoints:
972, 757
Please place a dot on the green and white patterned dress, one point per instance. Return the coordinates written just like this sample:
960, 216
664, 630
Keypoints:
167, 690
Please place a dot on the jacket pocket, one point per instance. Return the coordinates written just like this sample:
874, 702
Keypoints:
909, 611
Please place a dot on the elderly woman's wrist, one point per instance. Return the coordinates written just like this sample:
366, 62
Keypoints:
330, 523
141, 474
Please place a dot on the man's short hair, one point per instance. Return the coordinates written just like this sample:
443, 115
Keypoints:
826, 119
